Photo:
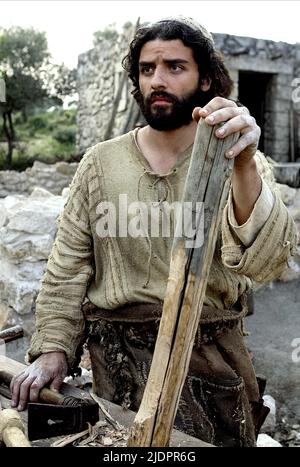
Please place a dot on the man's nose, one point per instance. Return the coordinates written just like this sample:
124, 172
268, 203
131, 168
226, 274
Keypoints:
159, 79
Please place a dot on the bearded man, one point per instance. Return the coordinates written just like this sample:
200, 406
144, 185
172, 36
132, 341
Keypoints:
111, 284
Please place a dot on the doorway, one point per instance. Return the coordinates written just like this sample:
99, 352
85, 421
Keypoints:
253, 93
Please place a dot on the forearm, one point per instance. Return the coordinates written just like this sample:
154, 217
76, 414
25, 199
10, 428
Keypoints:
59, 319
246, 188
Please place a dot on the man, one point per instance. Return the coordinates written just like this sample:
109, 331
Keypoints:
176, 72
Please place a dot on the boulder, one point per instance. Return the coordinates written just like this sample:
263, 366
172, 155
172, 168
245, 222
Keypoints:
28, 227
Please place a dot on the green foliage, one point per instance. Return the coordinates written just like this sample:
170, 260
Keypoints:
32, 83
61, 80
37, 122
27, 49
65, 135
23, 52
46, 136
127, 25
108, 33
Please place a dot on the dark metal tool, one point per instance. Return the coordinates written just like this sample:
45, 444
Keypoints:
59, 414
48, 420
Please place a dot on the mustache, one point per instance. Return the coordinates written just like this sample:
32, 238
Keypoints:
163, 95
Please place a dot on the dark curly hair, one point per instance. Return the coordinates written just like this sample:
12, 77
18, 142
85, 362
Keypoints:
208, 59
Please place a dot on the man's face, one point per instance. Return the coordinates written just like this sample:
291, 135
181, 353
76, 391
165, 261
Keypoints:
169, 84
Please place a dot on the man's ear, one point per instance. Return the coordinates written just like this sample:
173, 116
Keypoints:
205, 84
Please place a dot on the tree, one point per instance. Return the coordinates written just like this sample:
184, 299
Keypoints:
62, 81
108, 33
23, 59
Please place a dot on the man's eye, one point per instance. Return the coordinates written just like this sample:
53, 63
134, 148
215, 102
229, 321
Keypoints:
175, 67
146, 70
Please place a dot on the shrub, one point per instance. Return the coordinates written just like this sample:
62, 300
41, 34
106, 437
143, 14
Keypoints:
65, 135
36, 123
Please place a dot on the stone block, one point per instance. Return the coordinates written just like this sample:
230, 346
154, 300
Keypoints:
288, 173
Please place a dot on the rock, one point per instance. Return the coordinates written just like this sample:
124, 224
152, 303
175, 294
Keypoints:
5, 315
65, 168
293, 271
26, 239
287, 193
265, 441
65, 192
39, 192
291, 198
52, 177
270, 422
21, 295
298, 230
287, 173
12, 181
3, 213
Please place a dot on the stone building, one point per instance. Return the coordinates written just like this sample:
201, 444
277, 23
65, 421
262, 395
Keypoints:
266, 76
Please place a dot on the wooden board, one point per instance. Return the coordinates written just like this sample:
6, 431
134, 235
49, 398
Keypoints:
207, 182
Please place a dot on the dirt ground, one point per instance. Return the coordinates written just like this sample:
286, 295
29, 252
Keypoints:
274, 339
275, 342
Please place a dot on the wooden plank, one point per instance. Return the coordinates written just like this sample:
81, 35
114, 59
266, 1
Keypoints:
189, 270
10, 365
12, 333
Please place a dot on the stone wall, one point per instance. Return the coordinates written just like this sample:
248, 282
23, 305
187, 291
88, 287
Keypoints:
100, 74
27, 231
280, 60
100, 78
52, 177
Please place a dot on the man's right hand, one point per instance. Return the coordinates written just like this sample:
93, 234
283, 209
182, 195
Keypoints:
49, 367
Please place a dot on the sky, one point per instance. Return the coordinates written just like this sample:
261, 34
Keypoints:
70, 24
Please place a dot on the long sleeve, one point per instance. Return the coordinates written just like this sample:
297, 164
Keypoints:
59, 320
261, 212
266, 257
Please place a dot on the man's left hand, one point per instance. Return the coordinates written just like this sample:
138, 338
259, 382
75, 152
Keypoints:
237, 119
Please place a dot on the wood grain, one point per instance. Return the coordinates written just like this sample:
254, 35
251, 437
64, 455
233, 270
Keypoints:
208, 183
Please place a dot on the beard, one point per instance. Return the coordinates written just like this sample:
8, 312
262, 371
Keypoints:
176, 114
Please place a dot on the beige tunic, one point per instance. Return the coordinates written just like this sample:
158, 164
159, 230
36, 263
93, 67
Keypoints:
120, 268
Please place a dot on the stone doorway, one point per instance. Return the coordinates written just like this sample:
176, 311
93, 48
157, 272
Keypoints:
253, 92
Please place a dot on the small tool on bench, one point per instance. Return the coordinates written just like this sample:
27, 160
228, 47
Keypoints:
57, 414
